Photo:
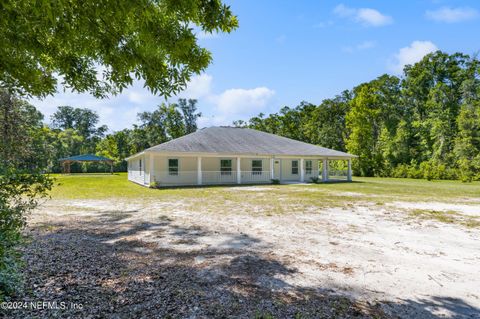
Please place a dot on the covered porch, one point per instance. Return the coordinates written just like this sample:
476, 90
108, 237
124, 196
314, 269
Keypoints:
162, 170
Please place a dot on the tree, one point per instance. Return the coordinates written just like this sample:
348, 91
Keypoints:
372, 118
432, 90
21, 181
326, 125
84, 123
101, 48
467, 141
117, 146
190, 115
168, 122
94, 47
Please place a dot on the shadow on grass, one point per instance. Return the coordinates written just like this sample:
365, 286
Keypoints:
109, 267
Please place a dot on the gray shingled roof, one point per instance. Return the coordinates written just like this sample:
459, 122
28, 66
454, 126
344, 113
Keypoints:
242, 141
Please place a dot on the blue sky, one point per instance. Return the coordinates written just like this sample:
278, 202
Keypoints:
288, 51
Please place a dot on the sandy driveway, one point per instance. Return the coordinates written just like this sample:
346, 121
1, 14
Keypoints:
379, 257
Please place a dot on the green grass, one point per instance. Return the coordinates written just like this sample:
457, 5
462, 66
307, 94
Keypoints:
411, 189
448, 217
279, 199
377, 190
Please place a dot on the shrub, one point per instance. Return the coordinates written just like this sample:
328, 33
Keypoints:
465, 171
414, 172
275, 181
428, 170
401, 171
315, 179
18, 194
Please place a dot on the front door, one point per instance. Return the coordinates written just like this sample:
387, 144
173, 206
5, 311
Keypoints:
277, 169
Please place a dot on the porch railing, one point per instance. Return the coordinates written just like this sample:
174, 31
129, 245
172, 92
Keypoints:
216, 177
256, 177
209, 177
338, 174
175, 178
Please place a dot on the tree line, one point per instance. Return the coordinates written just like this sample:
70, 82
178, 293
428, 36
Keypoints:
73, 131
424, 124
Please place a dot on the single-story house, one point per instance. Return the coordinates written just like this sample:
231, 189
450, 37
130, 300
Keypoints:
232, 155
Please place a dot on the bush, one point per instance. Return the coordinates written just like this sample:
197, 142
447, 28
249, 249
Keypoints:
18, 195
315, 179
401, 171
155, 184
465, 171
275, 181
428, 170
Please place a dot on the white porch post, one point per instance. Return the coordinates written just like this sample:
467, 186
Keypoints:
302, 170
325, 170
239, 171
151, 175
349, 172
199, 170
272, 171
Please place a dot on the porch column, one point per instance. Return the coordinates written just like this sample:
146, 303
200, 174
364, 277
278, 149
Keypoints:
349, 172
272, 171
151, 174
325, 171
302, 170
239, 171
199, 170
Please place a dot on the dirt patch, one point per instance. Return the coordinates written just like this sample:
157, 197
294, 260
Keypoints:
153, 259
466, 209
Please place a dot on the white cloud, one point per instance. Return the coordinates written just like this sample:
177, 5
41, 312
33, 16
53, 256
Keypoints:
365, 16
243, 101
199, 86
323, 24
365, 45
229, 105
452, 15
119, 112
344, 11
411, 54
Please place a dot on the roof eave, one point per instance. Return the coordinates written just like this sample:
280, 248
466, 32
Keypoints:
179, 153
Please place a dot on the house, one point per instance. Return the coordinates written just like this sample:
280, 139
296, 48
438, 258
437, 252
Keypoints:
231, 155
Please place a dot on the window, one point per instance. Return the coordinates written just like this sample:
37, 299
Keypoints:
294, 167
226, 167
173, 166
256, 167
140, 166
308, 167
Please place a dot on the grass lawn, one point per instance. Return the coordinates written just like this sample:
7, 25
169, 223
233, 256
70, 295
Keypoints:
280, 199
98, 186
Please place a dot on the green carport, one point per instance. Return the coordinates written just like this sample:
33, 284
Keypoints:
67, 161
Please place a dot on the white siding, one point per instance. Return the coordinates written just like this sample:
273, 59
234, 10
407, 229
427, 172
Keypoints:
187, 170
135, 174
286, 164
287, 170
